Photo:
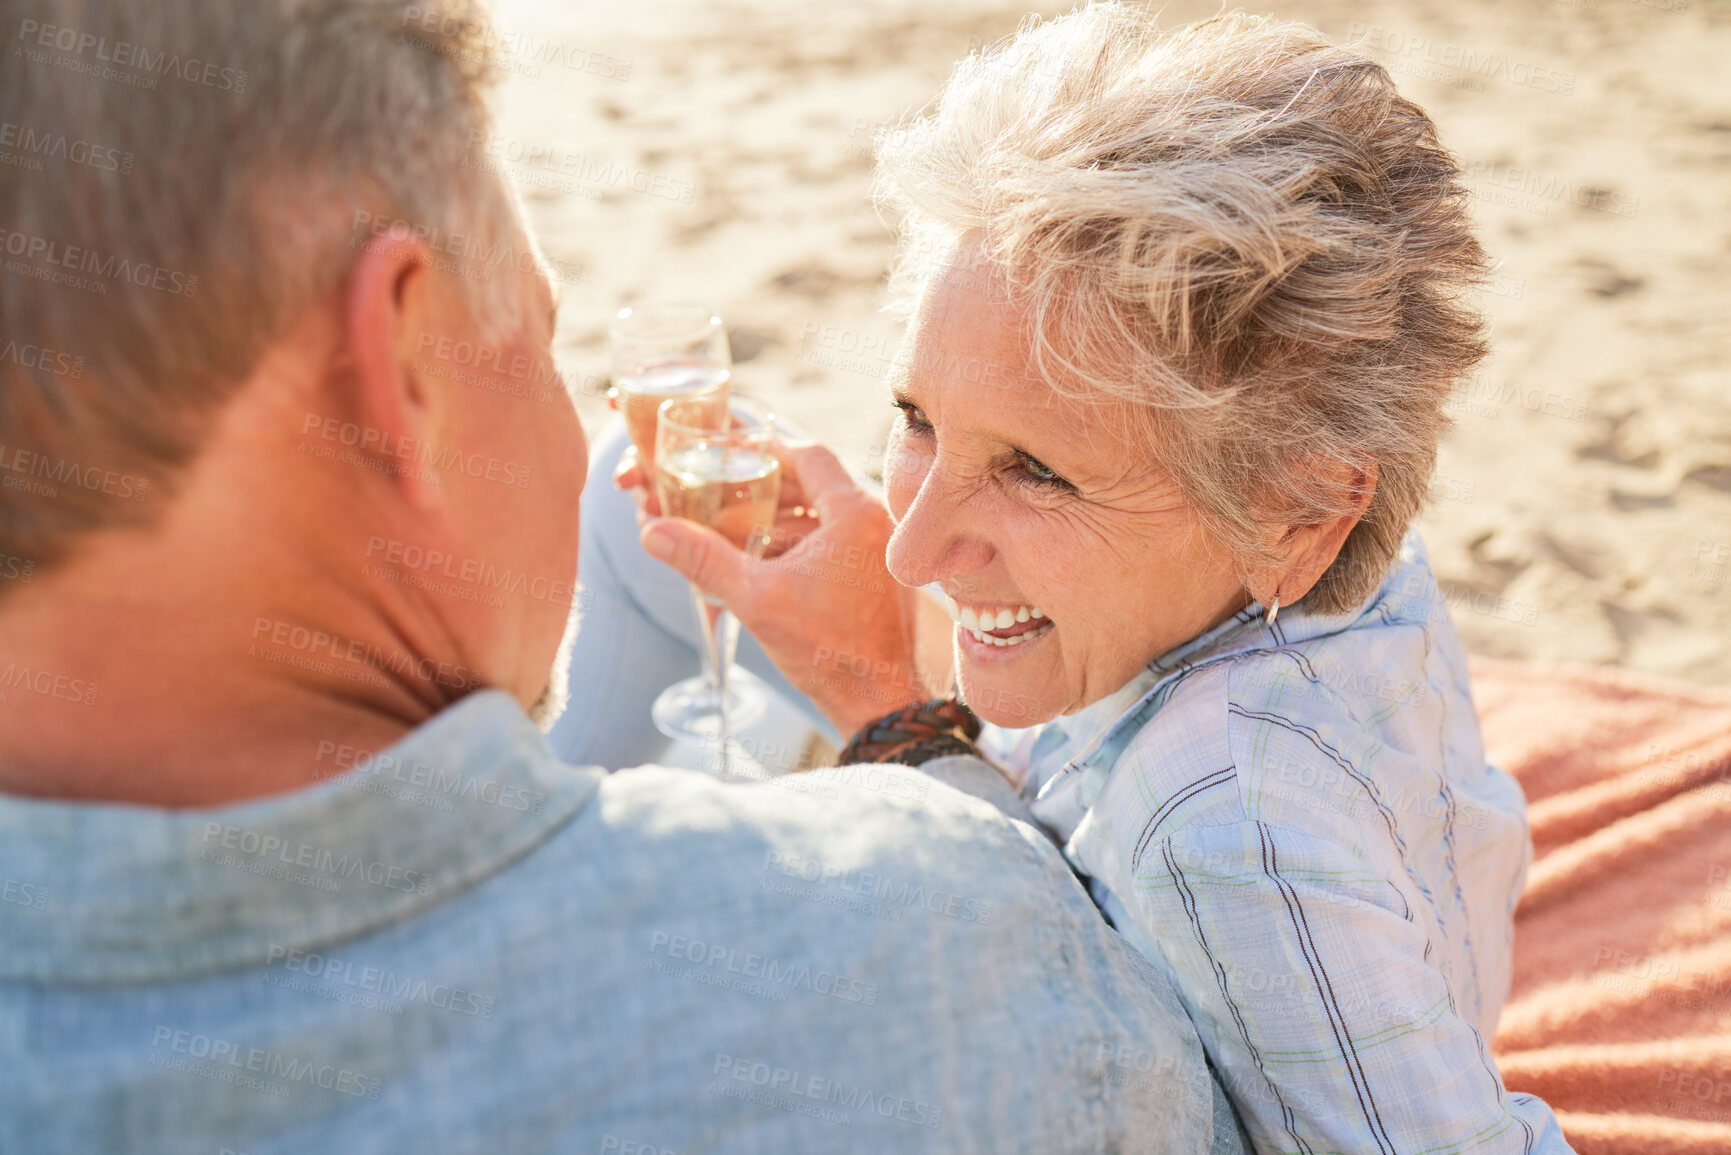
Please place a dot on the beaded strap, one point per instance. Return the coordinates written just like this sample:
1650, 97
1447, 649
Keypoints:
916, 734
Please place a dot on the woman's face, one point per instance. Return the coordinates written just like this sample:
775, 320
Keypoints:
1069, 557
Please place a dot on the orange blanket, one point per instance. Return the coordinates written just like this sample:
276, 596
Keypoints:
1620, 1015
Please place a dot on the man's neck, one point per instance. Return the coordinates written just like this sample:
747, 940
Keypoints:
155, 670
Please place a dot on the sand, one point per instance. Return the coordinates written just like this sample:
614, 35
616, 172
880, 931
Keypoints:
717, 151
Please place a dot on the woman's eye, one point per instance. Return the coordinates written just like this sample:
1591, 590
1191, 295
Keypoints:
913, 415
1034, 473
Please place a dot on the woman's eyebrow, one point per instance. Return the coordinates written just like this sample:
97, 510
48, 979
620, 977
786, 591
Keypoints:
1077, 472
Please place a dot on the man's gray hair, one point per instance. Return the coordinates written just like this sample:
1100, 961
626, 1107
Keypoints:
1238, 226
182, 180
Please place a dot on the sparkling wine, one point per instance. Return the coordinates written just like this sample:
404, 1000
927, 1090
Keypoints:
731, 490
641, 392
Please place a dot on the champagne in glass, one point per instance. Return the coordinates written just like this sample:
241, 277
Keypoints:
716, 466
732, 491
661, 352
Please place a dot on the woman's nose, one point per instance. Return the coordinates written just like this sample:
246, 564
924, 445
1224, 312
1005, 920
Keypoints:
936, 538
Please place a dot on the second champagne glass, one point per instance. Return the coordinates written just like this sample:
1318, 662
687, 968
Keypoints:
662, 351
716, 465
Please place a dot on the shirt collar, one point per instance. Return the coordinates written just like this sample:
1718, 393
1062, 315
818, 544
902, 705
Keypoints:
104, 893
1096, 735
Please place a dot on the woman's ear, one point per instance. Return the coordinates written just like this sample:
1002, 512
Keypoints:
1306, 551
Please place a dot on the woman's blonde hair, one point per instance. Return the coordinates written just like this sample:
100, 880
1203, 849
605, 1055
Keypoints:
1238, 225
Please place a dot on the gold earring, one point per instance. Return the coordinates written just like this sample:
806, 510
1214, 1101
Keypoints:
1272, 612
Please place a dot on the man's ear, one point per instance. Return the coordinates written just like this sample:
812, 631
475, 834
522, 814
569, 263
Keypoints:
1306, 551
390, 316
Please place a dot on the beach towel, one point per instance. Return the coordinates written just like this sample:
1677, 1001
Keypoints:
1620, 1011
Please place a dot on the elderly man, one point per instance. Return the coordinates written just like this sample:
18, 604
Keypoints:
284, 863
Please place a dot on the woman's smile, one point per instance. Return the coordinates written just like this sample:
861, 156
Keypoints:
1065, 555
997, 624
996, 632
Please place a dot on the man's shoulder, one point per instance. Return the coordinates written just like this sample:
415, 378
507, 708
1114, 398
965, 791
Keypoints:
827, 821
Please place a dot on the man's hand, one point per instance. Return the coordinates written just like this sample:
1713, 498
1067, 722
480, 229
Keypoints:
824, 607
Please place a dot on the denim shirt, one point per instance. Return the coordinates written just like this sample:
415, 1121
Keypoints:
463, 945
1297, 825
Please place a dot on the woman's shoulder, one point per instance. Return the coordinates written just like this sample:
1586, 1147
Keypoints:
1318, 736
1250, 744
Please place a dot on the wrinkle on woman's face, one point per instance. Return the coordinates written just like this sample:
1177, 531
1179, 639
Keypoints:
1013, 497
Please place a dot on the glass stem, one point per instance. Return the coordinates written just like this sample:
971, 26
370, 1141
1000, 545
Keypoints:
720, 642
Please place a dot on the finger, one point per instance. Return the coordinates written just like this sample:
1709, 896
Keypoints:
627, 474
788, 532
821, 475
646, 504
703, 557
792, 491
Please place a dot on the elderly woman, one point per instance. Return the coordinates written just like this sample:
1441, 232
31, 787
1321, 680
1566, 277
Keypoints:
1186, 312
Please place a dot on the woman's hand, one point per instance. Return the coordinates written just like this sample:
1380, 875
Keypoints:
822, 605
794, 518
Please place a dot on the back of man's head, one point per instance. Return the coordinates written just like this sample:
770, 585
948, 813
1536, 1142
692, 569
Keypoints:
186, 177
234, 237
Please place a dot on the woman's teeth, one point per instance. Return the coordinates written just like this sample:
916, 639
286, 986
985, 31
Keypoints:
978, 620
995, 640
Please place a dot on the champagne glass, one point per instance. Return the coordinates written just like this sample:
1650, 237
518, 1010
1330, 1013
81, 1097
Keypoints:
661, 351
716, 465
